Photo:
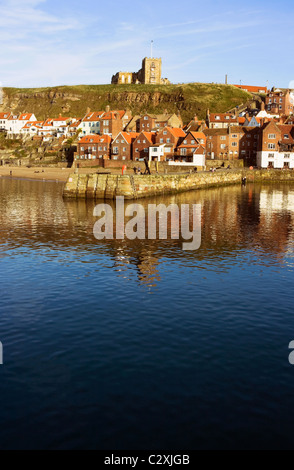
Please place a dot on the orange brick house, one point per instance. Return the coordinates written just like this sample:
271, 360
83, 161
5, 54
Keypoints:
141, 145
276, 146
171, 138
280, 102
221, 120
194, 144
113, 122
122, 146
95, 148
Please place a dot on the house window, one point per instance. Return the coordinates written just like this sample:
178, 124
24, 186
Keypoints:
82, 149
124, 149
234, 136
234, 144
146, 150
192, 142
287, 155
164, 132
161, 141
217, 117
272, 136
168, 141
223, 137
146, 118
139, 141
137, 150
271, 146
183, 151
223, 146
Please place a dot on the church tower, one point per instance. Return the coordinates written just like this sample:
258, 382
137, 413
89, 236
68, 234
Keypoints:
151, 71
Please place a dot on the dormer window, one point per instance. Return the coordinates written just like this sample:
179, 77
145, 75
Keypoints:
146, 118
286, 136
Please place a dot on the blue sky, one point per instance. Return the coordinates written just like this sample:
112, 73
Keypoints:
46, 43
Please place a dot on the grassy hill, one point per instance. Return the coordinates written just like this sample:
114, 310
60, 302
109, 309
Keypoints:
189, 99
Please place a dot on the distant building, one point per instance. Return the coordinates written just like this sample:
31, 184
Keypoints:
150, 73
280, 102
276, 148
252, 89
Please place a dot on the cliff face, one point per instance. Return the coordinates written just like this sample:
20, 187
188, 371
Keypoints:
189, 99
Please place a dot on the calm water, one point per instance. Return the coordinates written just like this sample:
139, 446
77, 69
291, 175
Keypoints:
140, 345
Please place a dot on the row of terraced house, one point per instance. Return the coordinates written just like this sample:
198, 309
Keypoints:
263, 138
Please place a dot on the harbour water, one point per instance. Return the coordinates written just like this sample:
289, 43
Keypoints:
120, 344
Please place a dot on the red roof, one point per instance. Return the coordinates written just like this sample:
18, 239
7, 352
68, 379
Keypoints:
150, 136
252, 89
93, 116
129, 137
287, 130
198, 135
25, 117
4, 115
113, 115
95, 139
222, 117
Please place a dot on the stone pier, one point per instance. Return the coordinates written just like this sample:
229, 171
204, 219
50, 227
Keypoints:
101, 186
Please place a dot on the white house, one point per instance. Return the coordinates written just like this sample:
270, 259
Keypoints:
32, 128
16, 123
273, 159
3, 120
156, 152
90, 124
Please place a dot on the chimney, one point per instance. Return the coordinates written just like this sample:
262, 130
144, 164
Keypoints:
88, 110
195, 118
207, 114
107, 109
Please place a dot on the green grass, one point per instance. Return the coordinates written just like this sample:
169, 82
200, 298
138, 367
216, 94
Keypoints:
189, 99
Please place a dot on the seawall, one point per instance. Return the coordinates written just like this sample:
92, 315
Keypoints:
103, 186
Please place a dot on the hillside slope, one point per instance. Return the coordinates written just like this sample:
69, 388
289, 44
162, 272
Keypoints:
189, 99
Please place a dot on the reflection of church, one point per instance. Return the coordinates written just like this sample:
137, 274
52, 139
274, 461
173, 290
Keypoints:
150, 73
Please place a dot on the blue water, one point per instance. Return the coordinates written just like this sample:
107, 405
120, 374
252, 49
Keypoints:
139, 344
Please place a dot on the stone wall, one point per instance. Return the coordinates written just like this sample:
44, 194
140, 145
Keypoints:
101, 186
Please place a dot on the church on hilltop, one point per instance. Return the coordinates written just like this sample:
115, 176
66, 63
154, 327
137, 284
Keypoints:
150, 74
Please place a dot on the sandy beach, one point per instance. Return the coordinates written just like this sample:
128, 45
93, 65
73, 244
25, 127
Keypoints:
41, 174
50, 174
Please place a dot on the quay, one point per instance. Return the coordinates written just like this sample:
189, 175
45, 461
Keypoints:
109, 186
